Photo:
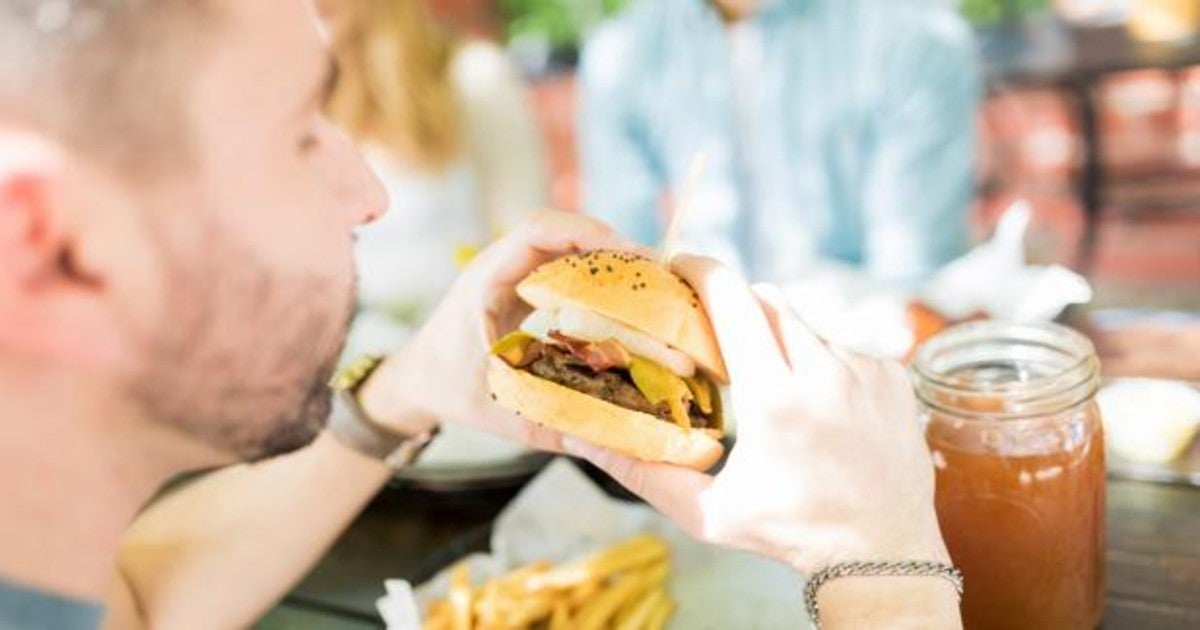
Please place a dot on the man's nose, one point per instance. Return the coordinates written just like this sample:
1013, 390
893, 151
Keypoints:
360, 194
364, 198
369, 201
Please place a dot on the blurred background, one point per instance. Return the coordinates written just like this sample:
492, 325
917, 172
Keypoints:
902, 164
1092, 114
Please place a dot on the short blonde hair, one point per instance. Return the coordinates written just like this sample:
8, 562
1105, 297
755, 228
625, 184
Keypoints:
394, 85
103, 76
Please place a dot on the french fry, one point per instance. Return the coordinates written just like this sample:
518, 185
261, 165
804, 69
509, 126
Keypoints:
516, 579
661, 614
626, 561
653, 577
438, 615
460, 598
596, 613
620, 587
487, 604
636, 552
631, 553
657, 573
529, 610
439, 623
560, 619
580, 594
637, 616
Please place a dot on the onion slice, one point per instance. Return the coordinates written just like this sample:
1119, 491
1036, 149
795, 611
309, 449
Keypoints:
590, 326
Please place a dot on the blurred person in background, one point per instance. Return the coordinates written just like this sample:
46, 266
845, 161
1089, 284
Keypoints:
835, 129
446, 126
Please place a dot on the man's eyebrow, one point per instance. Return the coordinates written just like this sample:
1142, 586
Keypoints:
329, 84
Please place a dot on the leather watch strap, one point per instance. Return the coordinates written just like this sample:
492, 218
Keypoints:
351, 425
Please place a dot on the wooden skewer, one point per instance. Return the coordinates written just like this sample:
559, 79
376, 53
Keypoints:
686, 200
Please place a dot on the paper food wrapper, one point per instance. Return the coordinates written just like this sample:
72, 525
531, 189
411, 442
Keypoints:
847, 307
562, 515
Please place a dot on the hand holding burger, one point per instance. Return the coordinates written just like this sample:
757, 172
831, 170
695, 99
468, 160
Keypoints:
830, 464
440, 376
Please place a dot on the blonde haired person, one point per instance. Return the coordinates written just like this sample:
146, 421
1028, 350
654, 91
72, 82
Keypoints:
445, 123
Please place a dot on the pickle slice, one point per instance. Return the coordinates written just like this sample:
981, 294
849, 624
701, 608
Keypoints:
702, 393
658, 384
513, 346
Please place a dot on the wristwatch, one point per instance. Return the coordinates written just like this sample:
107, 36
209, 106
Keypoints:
351, 425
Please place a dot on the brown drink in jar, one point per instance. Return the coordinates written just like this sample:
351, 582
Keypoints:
1017, 441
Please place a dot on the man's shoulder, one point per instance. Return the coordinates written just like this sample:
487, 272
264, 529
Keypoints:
28, 607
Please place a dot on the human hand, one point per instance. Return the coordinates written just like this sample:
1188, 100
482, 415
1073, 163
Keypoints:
440, 374
831, 463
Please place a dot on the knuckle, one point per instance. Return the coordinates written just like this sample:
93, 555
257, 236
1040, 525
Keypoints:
632, 476
717, 530
719, 522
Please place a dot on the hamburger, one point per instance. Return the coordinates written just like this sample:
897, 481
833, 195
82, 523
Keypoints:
617, 352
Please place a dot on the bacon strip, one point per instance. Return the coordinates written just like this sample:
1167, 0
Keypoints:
599, 356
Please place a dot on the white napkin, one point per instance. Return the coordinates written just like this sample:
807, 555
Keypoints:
994, 278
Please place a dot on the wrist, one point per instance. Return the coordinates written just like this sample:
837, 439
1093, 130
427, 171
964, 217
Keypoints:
388, 398
900, 580
925, 601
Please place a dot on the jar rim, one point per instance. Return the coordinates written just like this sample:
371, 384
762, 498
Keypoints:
1068, 383
960, 333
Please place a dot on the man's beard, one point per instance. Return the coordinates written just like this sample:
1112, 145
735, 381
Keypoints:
245, 356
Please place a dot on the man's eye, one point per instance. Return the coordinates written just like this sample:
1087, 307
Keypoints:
308, 143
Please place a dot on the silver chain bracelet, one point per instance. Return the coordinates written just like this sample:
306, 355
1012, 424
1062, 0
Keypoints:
909, 568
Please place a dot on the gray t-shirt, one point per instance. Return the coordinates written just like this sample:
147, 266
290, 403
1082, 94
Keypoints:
22, 607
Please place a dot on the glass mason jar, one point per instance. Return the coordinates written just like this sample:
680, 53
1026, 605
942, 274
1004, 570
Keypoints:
1016, 438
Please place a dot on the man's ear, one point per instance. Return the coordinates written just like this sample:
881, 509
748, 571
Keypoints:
52, 309
26, 232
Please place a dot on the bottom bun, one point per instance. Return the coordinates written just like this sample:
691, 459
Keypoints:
633, 433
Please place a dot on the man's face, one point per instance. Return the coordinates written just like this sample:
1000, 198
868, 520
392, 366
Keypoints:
253, 238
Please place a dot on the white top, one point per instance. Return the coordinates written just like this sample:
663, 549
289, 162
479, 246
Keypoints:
406, 259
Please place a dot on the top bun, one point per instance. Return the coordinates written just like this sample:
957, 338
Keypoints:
634, 291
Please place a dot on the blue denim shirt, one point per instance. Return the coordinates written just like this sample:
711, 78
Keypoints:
853, 140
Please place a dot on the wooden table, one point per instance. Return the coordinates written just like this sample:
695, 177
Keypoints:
1153, 556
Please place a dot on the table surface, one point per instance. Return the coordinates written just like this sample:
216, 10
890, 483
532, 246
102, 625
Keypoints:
1153, 556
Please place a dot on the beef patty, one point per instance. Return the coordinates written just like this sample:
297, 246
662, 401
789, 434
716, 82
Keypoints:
558, 365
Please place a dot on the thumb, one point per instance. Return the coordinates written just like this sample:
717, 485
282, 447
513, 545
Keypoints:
672, 490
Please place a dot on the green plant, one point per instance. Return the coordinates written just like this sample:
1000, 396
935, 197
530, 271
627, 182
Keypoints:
559, 23
989, 12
